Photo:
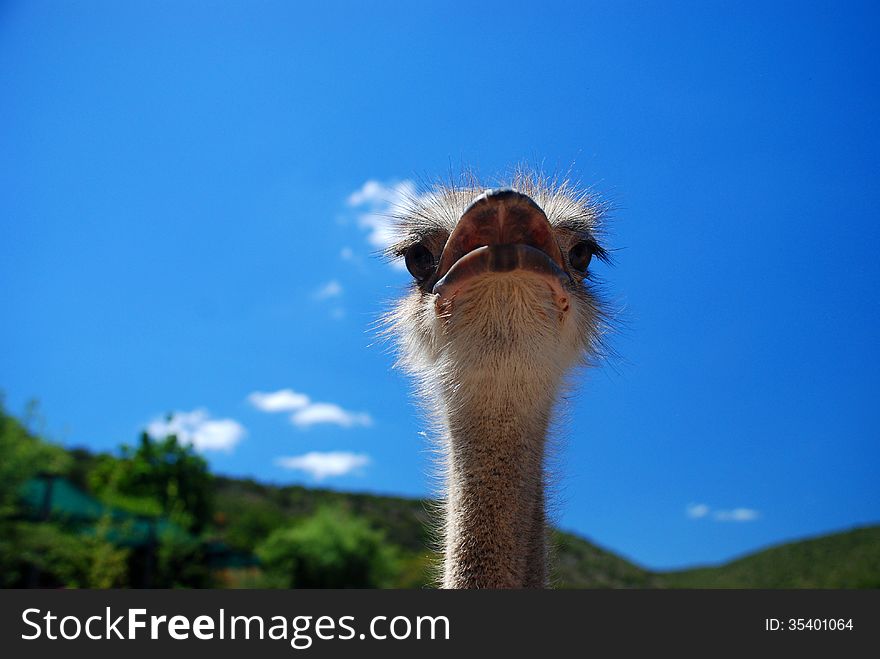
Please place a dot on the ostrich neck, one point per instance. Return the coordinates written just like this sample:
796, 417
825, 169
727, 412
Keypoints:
495, 519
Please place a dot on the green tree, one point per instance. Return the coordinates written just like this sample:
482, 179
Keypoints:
22, 456
181, 563
159, 476
331, 549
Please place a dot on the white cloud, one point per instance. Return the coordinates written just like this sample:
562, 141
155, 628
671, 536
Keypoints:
329, 413
737, 515
701, 510
200, 430
376, 202
331, 289
323, 465
285, 400
697, 510
305, 412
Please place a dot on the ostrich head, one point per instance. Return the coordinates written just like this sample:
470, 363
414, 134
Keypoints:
502, 305
500, 276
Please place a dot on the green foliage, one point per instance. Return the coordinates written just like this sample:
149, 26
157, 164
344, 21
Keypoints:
108, 567
47, 554
418, 570
159, 476
331, 549
22, 456
181, 563
248, 511
244, 517
25, 545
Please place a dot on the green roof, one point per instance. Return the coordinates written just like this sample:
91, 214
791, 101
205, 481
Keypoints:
71, 505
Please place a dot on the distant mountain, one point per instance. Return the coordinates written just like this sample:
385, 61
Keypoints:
850, 559
250, 510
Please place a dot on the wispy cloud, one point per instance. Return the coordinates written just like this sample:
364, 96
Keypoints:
324, 465
331, 289
701, 510
375, 203
696, 510
316, 413
199, 429
736, 515
307, 413
285, 400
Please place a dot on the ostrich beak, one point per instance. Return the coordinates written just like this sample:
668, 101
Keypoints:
501, 231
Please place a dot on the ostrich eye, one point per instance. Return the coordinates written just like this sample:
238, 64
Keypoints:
579, 256
419, 261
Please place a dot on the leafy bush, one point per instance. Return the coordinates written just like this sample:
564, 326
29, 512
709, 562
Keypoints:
48, 555
331, 549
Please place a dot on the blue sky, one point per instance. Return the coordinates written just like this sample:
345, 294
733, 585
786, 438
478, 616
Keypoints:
187, 218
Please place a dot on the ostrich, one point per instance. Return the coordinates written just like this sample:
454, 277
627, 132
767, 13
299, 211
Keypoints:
501, 308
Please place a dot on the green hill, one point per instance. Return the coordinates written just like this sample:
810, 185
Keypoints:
849, 559
578, 563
